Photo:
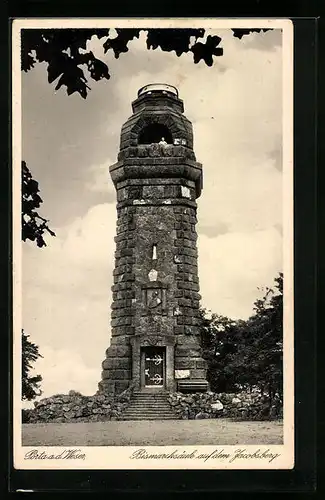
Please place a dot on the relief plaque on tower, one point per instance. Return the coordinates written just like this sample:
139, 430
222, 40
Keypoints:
154, 299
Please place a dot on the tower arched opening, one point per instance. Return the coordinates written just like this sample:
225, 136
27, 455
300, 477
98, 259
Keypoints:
154, 133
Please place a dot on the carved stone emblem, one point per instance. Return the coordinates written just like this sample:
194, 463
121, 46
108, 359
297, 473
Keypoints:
154, 297
151, 340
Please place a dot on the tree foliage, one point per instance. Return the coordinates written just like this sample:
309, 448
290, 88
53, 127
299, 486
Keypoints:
33, 228
246, 354
33, 225
30, 354
68, 59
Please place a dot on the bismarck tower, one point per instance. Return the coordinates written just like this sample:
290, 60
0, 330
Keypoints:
155, 310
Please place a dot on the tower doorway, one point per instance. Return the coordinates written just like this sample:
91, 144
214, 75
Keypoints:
153, 367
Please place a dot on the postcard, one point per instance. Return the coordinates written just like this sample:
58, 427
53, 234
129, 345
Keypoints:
153, 243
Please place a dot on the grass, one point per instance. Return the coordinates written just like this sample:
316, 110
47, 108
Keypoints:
153, 432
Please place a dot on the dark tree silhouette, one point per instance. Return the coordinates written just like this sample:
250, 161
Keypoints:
266, 337
30, 385
246, 354
33, 226
67, 58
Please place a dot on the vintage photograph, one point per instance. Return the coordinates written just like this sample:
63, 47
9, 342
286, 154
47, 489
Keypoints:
153, 239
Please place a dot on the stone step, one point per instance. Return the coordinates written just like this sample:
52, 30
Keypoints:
156, 404
148, 418
140, 412
150, 396
145, 414
144, 410
150, 402
149, 408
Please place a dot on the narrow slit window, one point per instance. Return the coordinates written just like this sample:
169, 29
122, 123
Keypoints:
154, 252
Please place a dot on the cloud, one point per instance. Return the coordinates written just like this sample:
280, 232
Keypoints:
233, 266
264, 41
66, 286
64, 370
215, 229
277, 158
99, 180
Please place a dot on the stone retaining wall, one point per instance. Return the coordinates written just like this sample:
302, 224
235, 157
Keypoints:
74, 407
240, 406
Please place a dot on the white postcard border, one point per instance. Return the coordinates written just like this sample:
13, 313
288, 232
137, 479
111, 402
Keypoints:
123, 457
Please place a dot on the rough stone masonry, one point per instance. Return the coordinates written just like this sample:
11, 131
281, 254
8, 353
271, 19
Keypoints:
155, 338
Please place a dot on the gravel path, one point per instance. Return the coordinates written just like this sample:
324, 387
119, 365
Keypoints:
153, 432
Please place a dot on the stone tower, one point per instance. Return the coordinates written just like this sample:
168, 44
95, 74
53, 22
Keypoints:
155, 336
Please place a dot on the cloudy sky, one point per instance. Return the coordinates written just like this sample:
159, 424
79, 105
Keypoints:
69, 143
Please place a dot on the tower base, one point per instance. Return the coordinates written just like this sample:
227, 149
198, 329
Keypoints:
154, 362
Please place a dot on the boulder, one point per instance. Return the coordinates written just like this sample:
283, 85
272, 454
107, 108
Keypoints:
217, 406
201, 415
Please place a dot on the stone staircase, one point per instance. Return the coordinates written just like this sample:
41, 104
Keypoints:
149, 405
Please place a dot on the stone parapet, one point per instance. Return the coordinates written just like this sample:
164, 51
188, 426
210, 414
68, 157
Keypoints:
156, 150
166, 168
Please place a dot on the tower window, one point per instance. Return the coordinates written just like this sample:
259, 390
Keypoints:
154, 252
153, 133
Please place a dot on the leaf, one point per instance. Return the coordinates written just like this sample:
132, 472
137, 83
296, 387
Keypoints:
98, 70
120, 42
207, 50
61, 82
33, 225
172, 39
74, 79
54, 70
27, 62
240, 32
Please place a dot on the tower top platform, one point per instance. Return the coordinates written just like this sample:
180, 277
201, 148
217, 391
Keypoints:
158, 88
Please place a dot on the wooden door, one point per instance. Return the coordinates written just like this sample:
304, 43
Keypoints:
154, 367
